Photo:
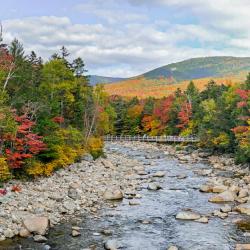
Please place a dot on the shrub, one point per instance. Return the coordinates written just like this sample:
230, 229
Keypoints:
95, 147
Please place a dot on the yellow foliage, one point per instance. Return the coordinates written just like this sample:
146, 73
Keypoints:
35, 168
4, 170
67, 155
95, 146
222, 140
189, 130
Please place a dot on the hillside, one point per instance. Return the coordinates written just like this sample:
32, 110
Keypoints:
165, 80
94, 79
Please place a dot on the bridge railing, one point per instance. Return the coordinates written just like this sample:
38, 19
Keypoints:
147, 138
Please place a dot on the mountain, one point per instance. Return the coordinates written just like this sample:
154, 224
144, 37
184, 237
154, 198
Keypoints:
164, 80
94, 79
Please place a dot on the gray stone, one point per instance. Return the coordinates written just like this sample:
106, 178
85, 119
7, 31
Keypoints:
87, 157
8, 233
226, 209
159, 174
173, 248
39, 238
134, 203
153, 186
113, 194
75, 233
203, 219
112, 245
243, 208
188, 215
74, 194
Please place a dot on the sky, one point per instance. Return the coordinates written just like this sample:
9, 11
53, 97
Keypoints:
124, 38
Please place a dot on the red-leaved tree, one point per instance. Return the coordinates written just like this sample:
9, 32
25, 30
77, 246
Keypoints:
184, 115
25, 144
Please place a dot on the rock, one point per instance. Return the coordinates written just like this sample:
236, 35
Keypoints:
74, 194
138, 196
24, 233
142, 173
107, 232
107, 164
39, 238
243, 208
87, 157
2, 238
182, 176
173, 248
69, 206
203, 219
75, 233
37, 225
153, 186
220, 214
8, 233
234, 188
134, 203
145, 222
187, 215
206, 188
219, 189
243, 193
113, 194
57, 197
226, 196
111, 245
226, 209
159, 174
242, 247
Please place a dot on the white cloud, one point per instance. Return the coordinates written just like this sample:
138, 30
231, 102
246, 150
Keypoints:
128, 44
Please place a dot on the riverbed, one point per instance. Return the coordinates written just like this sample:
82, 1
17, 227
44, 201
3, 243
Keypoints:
150, 221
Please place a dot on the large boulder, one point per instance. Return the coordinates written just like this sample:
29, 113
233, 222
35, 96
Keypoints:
206, 188
219, 189
113, 194
188, 215
226, 196
243, 193
242, 247
37, 225
243, 208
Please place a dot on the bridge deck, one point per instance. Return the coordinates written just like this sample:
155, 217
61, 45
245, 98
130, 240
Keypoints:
151, 138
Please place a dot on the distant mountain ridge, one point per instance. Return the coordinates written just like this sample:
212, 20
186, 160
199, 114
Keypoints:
95, 79
217, 66
166, 79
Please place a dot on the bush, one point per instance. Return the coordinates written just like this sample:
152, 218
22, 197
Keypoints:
95, 147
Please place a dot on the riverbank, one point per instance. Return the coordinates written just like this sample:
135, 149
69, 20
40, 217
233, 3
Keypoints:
80, 189
70, 193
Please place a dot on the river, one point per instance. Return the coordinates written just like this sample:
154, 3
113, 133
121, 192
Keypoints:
152, 224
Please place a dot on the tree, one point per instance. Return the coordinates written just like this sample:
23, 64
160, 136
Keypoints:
78, 67
24, 144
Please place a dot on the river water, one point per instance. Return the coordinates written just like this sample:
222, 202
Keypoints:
157, 209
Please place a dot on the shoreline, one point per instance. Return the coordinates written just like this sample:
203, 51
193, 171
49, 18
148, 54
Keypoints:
79, 189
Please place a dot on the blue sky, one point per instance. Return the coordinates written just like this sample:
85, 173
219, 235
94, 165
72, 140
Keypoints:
128, 37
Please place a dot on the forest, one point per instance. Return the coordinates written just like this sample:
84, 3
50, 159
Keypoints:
49, 114
218, 115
